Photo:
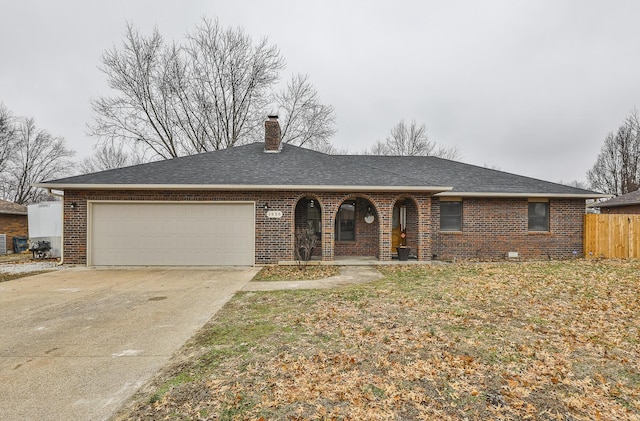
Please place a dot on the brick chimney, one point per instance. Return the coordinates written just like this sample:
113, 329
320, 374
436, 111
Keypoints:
272, 135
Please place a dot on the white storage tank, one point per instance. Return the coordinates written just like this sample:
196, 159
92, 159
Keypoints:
45, 224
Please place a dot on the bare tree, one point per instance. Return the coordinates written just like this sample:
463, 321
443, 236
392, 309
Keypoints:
379, 148
232, 81
37, 156
617, 167
141, 73
579, 184
7, 137
306, 121
411, 140
109, 156
209, 93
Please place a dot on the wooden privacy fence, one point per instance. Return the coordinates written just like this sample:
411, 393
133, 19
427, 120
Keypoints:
612, 236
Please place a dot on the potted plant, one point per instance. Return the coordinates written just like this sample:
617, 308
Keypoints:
402, 249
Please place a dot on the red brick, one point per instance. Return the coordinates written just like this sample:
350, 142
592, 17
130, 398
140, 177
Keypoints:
491, 227
13, 226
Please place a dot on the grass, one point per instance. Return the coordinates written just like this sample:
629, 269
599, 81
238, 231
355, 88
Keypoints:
295, 273
553, 340
15, 257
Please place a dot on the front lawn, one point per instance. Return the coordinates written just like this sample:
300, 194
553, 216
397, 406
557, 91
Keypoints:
552, 340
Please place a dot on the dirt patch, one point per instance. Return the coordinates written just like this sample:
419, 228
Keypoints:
556, 340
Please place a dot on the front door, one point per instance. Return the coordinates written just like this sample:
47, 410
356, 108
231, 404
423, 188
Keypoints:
399, 224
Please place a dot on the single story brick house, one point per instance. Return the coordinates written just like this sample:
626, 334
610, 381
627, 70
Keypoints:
628, 203
242, 206
13, 222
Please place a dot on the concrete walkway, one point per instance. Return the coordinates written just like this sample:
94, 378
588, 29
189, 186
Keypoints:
348, 275
75, 344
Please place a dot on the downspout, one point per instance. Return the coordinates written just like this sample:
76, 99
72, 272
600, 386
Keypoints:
50, 191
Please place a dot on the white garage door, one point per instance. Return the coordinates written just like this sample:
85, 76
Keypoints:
171, 234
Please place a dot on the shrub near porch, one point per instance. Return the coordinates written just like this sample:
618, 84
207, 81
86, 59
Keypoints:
552, 340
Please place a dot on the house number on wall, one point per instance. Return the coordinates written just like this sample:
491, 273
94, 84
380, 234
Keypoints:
274, 214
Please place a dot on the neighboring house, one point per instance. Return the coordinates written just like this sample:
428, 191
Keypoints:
241, 206
13, 222
625, 203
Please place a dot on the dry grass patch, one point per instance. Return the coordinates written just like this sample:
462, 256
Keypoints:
552, 341
11, 276
295, 273
16, 257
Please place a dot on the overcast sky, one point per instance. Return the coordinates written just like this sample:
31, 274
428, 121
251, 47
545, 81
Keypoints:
529, 87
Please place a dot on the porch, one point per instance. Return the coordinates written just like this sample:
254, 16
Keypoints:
360, 229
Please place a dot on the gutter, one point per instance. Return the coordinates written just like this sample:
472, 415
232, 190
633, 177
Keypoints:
13, 213
523, 195
438, 191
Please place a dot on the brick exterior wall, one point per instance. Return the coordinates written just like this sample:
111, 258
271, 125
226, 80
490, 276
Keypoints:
366, 236
13, 226
491, 227
617, 210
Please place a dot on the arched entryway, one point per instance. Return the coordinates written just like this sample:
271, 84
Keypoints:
308, 223
404, 226
357, 228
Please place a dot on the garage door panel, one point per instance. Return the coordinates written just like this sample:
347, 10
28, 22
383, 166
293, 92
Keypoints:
172, 234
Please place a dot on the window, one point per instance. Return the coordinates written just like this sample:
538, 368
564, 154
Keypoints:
538, 216
346, 222
314, 219
451, 216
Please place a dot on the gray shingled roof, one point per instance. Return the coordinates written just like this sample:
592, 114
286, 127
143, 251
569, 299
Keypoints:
12, 208
628, 199
248, 165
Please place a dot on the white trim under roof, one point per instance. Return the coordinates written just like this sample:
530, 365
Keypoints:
439, 191
524, 195
240, 187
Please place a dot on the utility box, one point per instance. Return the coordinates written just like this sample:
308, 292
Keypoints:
45, 224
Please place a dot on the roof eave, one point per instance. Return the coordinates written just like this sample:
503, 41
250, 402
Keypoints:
13, 213
243, 187
614, 205
523, 195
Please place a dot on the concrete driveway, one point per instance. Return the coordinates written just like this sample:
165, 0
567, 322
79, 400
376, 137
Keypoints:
76, 343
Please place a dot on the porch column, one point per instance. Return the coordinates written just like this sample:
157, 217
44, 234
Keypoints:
385, 213
328, 228
424, 228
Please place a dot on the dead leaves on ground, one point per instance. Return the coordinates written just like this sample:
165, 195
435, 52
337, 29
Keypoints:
556, 340
296, 273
